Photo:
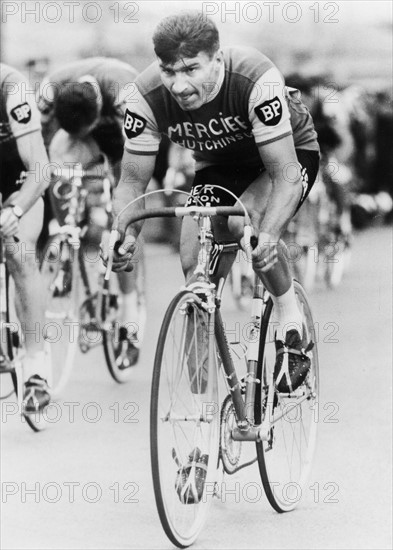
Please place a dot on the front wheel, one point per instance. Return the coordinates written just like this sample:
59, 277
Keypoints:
184, 421
112, 329
62, 283
285, 457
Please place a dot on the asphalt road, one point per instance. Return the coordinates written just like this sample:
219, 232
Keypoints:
85, 481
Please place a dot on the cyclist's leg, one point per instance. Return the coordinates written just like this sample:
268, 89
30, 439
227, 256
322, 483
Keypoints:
278, 280
189, 246
29, 304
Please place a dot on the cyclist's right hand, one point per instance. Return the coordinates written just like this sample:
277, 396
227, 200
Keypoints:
123, 253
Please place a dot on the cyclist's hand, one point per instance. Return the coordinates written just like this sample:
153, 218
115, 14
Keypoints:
122, 254
264, 256
9, 223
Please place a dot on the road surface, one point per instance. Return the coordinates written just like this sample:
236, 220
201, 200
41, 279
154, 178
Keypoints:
85, 481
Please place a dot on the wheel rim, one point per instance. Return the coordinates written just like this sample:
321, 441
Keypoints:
183, 418
286, 458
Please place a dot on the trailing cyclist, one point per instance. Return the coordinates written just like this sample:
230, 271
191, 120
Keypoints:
82, 108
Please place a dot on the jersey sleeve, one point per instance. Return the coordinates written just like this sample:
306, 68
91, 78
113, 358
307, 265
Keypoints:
140, 128
22, 112
268, 109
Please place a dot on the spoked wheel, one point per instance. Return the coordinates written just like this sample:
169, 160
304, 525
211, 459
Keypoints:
184, 422
112, 332
61, 278
285, 458
12, 354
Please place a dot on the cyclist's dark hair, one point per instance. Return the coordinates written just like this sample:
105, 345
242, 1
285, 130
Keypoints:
76, 106
185, 35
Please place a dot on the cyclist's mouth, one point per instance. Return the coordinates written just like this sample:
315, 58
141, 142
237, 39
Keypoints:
185, 98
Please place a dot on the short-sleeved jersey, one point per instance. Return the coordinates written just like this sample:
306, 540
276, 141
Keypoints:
115, 79
19, 117
252, 107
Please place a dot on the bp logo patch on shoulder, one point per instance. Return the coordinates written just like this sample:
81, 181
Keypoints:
269, 112
21, 113
133, 124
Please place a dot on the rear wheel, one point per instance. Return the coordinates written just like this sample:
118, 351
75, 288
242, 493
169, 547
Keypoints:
184, 422
61, 278
285, 458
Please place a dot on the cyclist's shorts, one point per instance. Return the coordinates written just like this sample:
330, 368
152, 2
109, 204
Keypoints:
237, 178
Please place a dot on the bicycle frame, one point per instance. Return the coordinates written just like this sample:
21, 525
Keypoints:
201, 285
244, 406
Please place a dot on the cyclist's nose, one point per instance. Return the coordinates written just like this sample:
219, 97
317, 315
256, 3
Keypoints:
179, 84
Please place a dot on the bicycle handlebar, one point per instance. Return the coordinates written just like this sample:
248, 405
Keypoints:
180, 211
177, 212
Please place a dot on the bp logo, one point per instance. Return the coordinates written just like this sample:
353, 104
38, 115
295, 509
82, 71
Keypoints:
269, 112
133, 124
21, 113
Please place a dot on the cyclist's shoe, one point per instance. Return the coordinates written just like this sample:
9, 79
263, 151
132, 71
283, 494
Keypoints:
190, 479
36, 395
127, 353
292, 363
197, 355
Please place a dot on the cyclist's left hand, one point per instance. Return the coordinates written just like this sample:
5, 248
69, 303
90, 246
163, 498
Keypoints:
265, 255
9, 223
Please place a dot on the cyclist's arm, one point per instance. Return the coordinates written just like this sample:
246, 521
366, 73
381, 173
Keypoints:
33, 154
136, 172
24, 120
279, 158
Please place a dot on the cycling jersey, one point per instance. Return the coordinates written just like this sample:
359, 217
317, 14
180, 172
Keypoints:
115, 80
252, 107
19, 117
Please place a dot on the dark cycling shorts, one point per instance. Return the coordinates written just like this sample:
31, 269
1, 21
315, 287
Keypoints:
238, 178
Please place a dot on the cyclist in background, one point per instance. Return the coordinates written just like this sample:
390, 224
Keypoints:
249, 134
86, 100
23, 161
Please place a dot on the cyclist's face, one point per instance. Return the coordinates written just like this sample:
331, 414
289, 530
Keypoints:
192, 81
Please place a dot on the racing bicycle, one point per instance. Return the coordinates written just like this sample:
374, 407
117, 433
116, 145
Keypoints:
80, 312
201, 406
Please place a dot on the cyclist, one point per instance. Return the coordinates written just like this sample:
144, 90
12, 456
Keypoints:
85, 100
23, 161
248, 134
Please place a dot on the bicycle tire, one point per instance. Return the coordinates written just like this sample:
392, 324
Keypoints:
285, 459
187, 392
15, 352
111, 324
61, 276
